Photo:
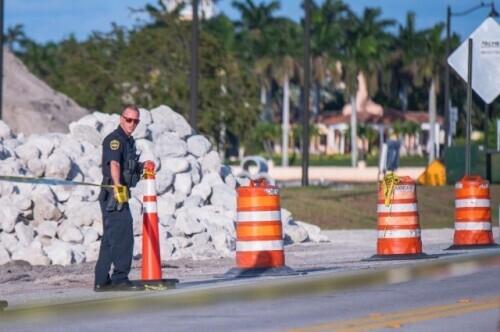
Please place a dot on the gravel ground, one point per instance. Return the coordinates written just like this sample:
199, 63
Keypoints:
22, 284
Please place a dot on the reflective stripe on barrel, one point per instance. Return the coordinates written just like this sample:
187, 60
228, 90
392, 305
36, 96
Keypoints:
259, 235
398, 229
472, 212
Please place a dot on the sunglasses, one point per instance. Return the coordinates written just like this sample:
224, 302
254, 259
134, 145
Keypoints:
130, 120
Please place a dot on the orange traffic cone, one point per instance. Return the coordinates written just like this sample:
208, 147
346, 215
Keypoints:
398, 229
259, 234
151, 260
473, 229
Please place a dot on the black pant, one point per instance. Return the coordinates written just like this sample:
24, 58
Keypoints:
117, 245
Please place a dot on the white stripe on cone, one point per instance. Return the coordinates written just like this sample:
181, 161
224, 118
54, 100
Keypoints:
472, 226
253, 216
259, 245
472, 203
149, 207
149, 187
412, 207
400, 233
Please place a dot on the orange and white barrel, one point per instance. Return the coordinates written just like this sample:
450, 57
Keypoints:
151, 260
472, 212
398, 228
259, 235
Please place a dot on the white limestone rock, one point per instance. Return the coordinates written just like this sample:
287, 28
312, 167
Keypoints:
166, 206
187, 224
59, 253
169, 145
92, 251
47, 229
91, 120
4, 255
45, 209
164, 181
202, 190
210, 162
5, 131
171, 121
32, 254
69, 233
8, 218
313, 232
90, 235
198, 145
9, 241
145, 116
78, 253
225, 196
35, 167
295, 234
27, 152
24, 233
58, 166
85, 133
182, 183
175, 165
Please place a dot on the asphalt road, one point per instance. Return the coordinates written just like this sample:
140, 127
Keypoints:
456, 300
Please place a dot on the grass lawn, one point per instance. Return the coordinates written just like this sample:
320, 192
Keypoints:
351, 207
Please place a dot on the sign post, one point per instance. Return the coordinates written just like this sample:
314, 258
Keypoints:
477, 62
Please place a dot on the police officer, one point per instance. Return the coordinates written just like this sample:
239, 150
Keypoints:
120, 169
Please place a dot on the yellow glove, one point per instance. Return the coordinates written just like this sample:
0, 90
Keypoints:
120, 193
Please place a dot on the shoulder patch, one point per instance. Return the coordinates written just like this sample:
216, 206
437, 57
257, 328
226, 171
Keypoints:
114, 144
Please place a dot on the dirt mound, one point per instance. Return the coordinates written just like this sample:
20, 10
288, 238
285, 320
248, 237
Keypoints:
30, 106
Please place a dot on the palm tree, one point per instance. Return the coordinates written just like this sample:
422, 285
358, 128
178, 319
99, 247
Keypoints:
14, 35
250, 36
327, 33
364, 52
254, 17
409, 46
430, 68
283, 38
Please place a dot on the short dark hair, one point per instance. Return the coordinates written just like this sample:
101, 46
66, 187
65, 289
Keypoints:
130, 107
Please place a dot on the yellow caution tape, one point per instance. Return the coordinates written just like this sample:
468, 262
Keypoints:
50, 182
388, 185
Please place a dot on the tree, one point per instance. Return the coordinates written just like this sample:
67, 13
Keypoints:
403, 68
364, 52
430, 69
15, 35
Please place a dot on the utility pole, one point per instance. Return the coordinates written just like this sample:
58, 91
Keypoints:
193, 80
447, 122
1, 59
305, 113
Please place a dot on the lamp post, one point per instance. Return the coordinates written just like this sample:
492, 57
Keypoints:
305, 110
449, 14
193, 78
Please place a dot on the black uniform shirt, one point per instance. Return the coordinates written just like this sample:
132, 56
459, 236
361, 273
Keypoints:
116, 146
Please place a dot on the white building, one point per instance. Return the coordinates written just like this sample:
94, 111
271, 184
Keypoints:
206, 8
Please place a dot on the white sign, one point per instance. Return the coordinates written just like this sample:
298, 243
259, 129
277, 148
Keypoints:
485, 60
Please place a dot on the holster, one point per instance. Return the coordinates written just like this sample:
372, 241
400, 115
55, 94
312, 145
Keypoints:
108, 195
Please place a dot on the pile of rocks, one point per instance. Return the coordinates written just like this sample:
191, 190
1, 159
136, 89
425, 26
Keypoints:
62, 224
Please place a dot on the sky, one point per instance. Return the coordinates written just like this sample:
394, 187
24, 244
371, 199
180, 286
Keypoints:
54, 20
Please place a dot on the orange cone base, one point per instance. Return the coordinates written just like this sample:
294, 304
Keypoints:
260, 259
259, 272
410, 246
464, 238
